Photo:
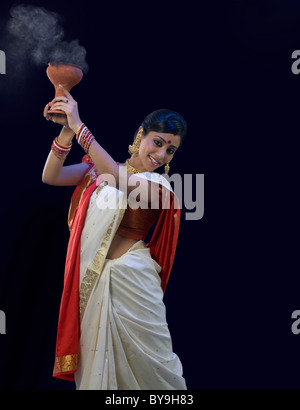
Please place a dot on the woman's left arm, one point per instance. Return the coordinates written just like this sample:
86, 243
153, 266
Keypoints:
102, 160
104, 163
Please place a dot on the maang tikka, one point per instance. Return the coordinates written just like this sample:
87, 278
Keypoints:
134, 148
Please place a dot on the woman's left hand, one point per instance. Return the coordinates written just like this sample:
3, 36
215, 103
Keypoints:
69, 106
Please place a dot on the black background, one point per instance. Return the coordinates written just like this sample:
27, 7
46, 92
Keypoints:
226, 67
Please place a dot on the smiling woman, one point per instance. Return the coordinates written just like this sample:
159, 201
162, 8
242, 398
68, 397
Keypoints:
114, 281
164, 131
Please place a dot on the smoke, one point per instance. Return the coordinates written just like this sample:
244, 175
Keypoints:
35, 33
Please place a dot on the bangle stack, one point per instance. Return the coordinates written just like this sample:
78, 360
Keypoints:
84, 137
60, 151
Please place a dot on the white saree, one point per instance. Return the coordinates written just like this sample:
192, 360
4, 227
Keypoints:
125, 342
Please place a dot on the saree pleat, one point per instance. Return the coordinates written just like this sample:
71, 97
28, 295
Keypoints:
125, 341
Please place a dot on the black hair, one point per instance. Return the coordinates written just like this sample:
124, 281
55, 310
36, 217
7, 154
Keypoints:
165, 121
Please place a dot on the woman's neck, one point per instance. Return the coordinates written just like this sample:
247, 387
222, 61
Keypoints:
136, 164
131, 167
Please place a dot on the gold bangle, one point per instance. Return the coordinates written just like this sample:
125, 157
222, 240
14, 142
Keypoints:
64, 146
78, 129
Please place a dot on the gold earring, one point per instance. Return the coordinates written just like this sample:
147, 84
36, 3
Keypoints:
134, 148
167, 168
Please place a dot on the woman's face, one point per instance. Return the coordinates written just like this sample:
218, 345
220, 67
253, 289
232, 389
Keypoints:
157, 148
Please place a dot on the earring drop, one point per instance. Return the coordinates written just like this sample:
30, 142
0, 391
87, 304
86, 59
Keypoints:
167, 168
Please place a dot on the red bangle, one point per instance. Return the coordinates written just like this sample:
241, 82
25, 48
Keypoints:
60, 151
79, 131
85, 137
64, 147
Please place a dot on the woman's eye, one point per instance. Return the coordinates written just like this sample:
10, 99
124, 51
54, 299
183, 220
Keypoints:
158, 143
170, 151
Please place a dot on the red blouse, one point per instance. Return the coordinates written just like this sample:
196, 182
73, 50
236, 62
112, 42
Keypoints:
136, 223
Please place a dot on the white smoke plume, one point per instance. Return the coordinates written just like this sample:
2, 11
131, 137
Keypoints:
35, 33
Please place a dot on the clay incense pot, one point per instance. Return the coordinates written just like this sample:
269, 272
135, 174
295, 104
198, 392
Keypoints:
67, 75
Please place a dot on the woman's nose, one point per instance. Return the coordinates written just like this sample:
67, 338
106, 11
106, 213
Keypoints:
160, 154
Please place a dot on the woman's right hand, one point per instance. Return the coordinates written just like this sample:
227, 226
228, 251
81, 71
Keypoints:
57, 118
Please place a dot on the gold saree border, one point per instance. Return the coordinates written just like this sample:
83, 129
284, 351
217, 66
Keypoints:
66, 363
95, 267
86, 287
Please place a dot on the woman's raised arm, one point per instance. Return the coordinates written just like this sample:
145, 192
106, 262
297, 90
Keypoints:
54, 173
104, 163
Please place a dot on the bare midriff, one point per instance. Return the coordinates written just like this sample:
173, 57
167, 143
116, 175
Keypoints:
119, 246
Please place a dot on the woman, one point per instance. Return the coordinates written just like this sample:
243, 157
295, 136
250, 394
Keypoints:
112, 331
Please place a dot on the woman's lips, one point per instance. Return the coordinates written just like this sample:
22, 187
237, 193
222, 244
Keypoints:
153, 161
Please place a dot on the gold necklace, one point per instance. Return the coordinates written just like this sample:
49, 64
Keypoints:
131, 169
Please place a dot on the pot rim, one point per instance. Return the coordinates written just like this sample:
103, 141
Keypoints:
62, 63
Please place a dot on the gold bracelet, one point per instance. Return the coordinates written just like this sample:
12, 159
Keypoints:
78, 129
64, 146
